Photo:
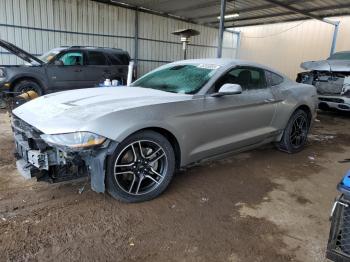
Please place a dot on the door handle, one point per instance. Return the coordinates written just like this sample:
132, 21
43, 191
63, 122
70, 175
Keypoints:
269, 100
78, 70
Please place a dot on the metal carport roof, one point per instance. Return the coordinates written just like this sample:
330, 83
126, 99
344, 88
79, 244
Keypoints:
251, 12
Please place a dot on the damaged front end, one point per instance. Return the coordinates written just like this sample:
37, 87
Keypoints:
333, 87
38, 155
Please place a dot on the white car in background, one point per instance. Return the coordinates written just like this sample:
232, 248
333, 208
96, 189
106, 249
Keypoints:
331, 77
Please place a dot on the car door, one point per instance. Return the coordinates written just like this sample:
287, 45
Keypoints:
237, 121
66, 72
98, 68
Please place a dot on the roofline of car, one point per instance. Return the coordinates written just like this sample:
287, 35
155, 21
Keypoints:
92, 47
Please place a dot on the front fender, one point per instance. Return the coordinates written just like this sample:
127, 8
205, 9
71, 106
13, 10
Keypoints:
15, 77
132, 122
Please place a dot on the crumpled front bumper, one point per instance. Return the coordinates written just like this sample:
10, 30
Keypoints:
334, 102
37, 159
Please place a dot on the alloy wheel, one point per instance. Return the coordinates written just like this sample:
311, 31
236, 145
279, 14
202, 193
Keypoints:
299, 132
140, 167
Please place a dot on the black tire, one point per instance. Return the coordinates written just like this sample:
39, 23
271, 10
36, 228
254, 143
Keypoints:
294, 137
129, 169
28, 85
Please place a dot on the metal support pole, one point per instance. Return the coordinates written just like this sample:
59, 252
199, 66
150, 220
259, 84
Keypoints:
184, 49
238, 46
222, 27
136, 41
335, 32
334, 40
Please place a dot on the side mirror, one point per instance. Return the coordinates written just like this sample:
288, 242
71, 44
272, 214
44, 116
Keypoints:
58, 63
228, 89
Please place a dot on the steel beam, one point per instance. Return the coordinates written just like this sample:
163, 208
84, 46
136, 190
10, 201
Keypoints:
272, 22
293, 9
249, 9
196, 6
266, 23
317, 9
258, 17
222, 27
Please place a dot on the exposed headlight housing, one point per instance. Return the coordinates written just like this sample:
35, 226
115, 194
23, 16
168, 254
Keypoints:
74, 140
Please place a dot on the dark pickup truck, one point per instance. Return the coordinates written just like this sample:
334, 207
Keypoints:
63, 68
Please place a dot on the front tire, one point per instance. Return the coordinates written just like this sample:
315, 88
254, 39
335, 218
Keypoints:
141, 167
295, 134
28, 85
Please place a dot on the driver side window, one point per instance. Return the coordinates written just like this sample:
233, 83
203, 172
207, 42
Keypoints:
248, 77
72, 59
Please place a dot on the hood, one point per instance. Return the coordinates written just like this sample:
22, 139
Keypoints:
20, 53
327, 65
75, 110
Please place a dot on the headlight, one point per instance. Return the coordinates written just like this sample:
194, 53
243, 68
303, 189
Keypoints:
74, 140
2, 73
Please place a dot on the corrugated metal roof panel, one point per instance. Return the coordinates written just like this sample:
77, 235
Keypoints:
251, 11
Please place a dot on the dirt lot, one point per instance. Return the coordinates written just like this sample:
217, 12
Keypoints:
262, 205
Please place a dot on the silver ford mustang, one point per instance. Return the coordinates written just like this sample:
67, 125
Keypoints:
130, 140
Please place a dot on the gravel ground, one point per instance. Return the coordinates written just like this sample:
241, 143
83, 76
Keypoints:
262, 205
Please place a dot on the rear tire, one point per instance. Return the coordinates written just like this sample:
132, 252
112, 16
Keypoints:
141, 167
28, 85
295, 134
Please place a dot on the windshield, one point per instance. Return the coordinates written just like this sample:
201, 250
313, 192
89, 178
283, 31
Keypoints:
340, 56
47, 57
183, 79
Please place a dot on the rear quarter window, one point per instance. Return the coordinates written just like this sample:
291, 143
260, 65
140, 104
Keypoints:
97, 58
118, 59
274, 79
